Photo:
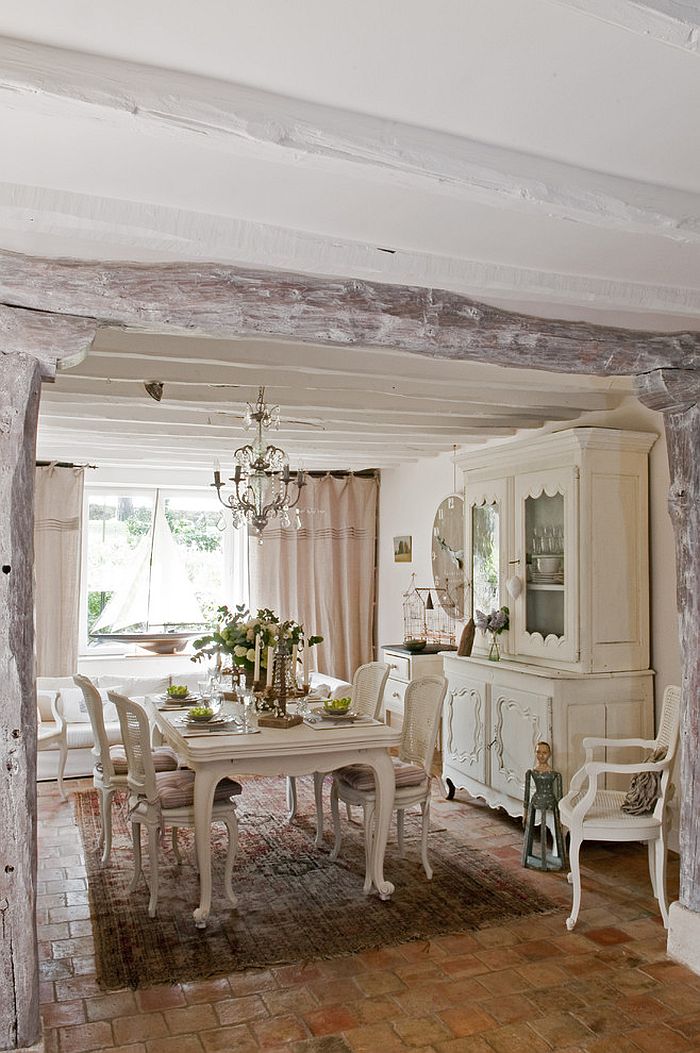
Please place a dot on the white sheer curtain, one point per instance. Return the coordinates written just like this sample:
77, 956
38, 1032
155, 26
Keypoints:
57, 545
323, 574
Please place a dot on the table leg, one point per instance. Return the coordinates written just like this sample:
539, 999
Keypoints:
291, 797
205, 783
319, 776
385, 787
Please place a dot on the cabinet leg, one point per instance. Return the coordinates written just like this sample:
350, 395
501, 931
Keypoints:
450, 792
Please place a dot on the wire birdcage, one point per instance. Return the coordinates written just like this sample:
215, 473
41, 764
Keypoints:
429, 614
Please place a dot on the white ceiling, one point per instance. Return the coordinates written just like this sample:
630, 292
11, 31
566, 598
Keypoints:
542, 155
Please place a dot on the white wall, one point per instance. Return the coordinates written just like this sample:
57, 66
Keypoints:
408, 500
409, 497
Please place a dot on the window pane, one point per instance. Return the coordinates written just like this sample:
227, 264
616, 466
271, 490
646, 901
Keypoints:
196, 522
115, 523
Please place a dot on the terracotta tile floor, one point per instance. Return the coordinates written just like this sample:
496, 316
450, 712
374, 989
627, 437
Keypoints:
526, 985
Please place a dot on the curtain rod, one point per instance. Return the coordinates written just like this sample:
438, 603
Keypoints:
366, 473
62, 464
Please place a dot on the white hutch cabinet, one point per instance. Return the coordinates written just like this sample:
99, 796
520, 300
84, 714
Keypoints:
556, 530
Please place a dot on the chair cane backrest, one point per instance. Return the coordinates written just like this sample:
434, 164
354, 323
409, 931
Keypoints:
368, 685
667, 738
421, 718
136, 736
93, 704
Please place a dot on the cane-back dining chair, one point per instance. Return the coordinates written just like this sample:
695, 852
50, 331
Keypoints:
160, 799
109, 772
367, 693
354, 784
595, 814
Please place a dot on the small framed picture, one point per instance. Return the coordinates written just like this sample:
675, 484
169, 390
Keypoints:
403, 549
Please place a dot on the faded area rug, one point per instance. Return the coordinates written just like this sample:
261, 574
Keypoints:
294, 904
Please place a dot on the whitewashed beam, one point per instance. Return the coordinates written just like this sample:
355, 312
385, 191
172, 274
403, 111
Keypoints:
674, 22
304, 404
230, 425
92, 227
48, 338
334, 387
221, 301
20, 379
231, 115
477, 399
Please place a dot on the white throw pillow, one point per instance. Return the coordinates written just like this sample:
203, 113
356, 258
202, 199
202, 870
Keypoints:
74, 708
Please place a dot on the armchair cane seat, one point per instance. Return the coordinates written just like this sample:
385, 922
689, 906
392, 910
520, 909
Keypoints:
606, 808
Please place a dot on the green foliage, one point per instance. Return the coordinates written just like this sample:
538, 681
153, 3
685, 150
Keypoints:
236, 633
96, 603
195, 530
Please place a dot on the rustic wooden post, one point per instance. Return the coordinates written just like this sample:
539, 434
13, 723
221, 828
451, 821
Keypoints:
20, 382
677, 394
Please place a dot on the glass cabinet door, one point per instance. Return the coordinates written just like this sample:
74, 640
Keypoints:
545, 531
486, 540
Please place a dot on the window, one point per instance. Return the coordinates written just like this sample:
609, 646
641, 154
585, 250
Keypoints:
120, 547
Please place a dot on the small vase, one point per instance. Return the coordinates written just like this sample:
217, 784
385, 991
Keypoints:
494, 653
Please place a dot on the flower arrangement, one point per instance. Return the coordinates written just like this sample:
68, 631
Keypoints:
495, 622
236, 633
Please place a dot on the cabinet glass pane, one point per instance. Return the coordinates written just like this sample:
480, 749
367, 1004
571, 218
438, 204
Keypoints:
485, 527
544, 542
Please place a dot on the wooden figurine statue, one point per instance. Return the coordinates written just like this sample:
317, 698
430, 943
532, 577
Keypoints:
543, 799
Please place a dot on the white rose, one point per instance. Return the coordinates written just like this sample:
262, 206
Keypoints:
240, 651
250, 655
250, 635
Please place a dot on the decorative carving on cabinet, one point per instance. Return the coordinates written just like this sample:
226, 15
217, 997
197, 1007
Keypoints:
473, 696
502, 703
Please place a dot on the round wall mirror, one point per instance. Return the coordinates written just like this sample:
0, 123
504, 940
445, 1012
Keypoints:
448, 553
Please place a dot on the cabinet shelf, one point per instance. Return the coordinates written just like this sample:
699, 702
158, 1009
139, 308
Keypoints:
534, 587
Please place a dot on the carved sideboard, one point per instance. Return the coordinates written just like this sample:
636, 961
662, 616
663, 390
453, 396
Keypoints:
555, 529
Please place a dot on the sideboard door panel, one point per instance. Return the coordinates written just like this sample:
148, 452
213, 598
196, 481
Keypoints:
519, 720
464, 728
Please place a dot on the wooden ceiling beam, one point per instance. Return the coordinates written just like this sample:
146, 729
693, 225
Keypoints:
225, 301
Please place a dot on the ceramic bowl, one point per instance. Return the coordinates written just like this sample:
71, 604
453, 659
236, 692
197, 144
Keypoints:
548, 564
414, 645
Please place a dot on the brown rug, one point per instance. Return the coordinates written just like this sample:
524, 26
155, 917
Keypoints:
294, 904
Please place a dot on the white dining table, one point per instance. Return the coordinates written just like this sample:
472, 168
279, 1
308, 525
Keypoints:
300, 750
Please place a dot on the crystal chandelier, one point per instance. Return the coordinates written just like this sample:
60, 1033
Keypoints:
264, 486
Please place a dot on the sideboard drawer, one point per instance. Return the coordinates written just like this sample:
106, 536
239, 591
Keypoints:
400, 666
393, 696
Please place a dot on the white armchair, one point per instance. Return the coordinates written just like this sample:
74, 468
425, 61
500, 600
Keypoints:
54, 735
593, 813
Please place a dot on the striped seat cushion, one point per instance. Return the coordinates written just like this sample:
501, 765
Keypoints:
361, 776
176, 789
164, 759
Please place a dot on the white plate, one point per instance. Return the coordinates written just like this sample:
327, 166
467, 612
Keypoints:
325, 714
188, 700
214, 723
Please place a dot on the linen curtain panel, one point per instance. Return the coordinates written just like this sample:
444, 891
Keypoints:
57, 547
323, 574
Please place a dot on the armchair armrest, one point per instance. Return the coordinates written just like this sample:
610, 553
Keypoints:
590, 742
597, 768
58, 714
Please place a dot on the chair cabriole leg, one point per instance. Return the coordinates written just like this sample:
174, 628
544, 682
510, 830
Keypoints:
335, 816
574, 879
425, 830
153, 837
